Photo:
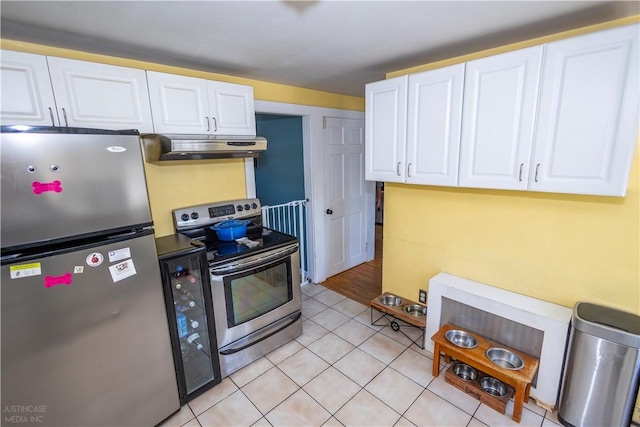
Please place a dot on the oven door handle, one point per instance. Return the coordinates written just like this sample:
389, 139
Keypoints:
254, 261
292, 320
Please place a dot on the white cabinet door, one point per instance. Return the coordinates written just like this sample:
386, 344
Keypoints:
232, 109
385, 129
100, 96
27, 95
588, 114
433, 129
500, 96
179, 104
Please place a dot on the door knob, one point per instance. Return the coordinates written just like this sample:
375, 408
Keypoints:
329, 211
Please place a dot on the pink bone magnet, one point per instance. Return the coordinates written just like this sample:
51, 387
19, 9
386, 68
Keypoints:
41, 187
51, 281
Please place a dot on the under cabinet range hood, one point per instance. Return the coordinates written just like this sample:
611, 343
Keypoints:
161, 148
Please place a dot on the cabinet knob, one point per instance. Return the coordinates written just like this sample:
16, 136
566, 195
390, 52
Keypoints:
64, 114
398, 169
329, 212
53, 122
208, 124
409, 170
537, 168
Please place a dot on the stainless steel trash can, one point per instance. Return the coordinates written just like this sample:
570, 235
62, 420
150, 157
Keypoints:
602, 367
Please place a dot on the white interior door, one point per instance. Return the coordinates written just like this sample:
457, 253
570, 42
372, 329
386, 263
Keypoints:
345, 201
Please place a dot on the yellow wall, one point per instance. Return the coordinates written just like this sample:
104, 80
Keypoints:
554, 247
264, 91
174, 186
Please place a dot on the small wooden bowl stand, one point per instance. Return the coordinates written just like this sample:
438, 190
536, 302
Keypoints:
520, 380
473, 388
398, 312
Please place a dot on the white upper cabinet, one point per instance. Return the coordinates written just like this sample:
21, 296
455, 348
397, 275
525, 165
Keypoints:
190, 105
385, 129
232, 109
433, 126
27, 95
500, 98
412, 130
179, 104
100, 96
588, 114
560, 117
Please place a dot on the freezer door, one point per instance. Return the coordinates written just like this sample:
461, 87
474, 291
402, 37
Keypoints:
59, 185
85, 338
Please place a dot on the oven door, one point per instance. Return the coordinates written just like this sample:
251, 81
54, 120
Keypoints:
255, 293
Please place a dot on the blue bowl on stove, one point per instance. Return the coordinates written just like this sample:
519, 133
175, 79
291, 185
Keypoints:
230, 230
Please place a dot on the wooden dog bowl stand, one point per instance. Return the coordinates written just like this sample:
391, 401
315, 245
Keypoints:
397, 312
473, 388
520, 380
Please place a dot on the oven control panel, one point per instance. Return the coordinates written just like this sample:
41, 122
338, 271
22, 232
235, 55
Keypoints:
212, 213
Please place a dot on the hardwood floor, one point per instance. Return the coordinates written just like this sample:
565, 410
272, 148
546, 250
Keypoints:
363, 282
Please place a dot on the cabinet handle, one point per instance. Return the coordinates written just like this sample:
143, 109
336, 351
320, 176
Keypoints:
53, 122
409, 170
398, 169
64, 114
215, 124
520, 174
208, 125
537, 167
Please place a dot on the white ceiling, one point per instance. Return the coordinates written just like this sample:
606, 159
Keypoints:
334, 46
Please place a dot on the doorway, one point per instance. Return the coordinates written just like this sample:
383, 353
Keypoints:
379, 203
363, 282
313, 119
279, 171
279, 175
348, 214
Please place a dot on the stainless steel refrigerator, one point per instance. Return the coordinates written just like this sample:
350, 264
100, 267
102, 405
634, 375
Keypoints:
85, 338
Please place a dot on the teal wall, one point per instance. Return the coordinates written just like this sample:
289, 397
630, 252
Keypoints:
280, 170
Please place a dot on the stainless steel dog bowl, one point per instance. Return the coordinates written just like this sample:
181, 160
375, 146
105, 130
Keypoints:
465, 372
461, 338
504, 358
390, 300
493, 386
416, 310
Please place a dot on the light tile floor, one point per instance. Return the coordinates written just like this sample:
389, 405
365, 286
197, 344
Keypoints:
342, 371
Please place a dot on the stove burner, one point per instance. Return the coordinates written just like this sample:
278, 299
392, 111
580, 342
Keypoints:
219, 252
266, 239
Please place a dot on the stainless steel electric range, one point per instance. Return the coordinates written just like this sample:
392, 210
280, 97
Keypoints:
255, 282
